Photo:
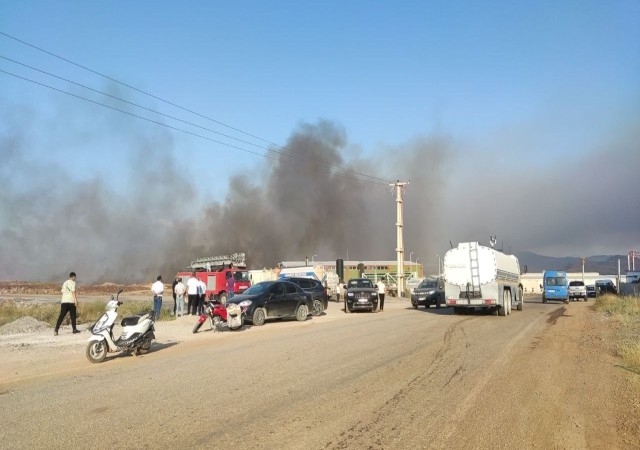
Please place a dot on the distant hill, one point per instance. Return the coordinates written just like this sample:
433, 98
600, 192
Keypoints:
603, 264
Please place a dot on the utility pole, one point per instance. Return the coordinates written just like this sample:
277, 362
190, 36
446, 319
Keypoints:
583, 260
399, 187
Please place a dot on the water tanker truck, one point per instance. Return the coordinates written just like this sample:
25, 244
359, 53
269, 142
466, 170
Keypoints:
481, 277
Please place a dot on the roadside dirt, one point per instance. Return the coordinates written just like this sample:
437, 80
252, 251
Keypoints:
556, 384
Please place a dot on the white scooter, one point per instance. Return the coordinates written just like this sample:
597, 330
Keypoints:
137, 333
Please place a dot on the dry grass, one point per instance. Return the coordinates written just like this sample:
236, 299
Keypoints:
88, 312
626, 311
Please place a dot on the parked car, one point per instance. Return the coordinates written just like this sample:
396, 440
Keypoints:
275, 299
577, 289
360, 294
605, 287
429, 292
313, 287
591, 291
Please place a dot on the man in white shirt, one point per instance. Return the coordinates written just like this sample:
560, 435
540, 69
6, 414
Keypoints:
179, 291
382, 289
192, 293
68, 303
157, 288
202, 294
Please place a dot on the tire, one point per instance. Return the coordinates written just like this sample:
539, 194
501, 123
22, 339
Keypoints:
223, 298
301, 313
144, 348
521, 299
259, 316
438, 305
414, 304
96, 351
502, 310
317, 308
509, 305
197, 327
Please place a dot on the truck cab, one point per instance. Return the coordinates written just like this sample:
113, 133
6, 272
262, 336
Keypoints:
555, 286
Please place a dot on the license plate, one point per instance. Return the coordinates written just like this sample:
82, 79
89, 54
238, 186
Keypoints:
362, 300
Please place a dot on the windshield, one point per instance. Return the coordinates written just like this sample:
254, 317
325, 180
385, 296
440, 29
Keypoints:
576, 283
428, 284
360, 284
257, 289
556, 281
241, 276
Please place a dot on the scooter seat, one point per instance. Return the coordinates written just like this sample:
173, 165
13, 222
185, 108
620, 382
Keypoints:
132, 320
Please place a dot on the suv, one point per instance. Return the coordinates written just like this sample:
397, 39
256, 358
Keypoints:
605, 287
577, 289
360, 294
315, 289
429, 292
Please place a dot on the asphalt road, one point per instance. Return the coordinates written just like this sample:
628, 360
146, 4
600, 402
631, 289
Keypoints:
404, 378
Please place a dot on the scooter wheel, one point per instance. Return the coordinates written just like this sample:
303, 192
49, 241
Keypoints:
197, 327
96, 351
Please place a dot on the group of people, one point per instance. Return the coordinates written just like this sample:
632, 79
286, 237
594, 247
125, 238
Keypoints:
189, 298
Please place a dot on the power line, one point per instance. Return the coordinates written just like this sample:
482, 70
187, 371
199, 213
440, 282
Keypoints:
380, 181
293, 157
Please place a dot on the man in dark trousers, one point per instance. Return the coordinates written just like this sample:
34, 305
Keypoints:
382, 290
173, 289
68, 303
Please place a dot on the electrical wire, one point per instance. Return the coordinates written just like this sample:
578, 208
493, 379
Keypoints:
281, 154
364, 176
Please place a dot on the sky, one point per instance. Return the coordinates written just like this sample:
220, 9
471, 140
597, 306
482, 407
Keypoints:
138, 136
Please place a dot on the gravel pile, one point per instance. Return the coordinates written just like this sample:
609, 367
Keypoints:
24, 325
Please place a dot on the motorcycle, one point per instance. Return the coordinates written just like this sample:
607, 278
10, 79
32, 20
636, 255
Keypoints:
137, 333
231, 316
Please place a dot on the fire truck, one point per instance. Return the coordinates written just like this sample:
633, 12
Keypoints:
213, 272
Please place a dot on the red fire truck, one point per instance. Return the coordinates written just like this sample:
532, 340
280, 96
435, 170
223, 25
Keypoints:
213, 272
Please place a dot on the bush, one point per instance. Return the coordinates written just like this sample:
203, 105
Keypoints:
626, 311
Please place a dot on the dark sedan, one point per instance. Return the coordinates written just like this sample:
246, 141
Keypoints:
429, 292
313, 287
275, 300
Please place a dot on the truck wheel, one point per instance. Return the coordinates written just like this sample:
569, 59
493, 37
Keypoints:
521, 299
502, 310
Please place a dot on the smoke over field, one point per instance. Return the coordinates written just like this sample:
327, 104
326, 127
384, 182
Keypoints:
306, 200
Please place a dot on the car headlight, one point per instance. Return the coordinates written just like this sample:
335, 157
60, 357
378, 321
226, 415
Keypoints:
349, 294
374, 294
431, 292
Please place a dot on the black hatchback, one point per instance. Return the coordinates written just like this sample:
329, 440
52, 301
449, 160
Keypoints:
318, 292
274, 299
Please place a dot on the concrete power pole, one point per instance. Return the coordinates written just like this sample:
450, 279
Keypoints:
399, 187
583, 260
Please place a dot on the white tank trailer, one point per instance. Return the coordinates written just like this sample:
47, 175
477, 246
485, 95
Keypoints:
481, 277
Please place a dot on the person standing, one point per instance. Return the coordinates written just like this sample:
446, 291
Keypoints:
157, 288
382, 290
68, 303
338, 292
192, 293
173, 291
230, 283
202, 294
178, 292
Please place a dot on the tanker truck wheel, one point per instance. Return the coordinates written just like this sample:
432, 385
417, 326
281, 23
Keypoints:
502, 310
521, 298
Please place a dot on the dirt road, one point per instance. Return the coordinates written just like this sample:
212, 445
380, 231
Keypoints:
544, 377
